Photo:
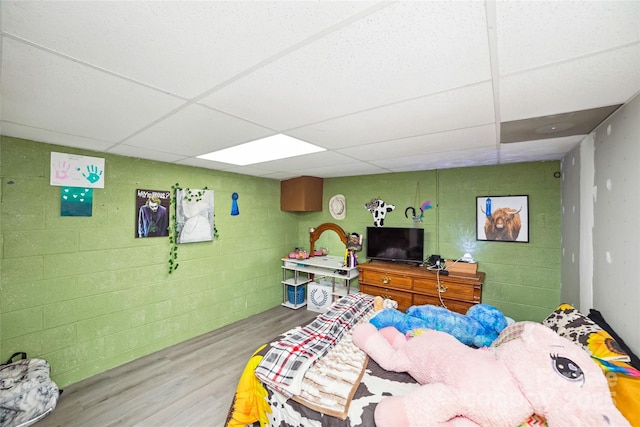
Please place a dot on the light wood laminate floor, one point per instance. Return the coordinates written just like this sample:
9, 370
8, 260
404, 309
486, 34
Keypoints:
189, 384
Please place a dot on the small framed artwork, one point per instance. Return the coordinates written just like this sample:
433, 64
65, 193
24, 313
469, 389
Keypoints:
194, 215
152, 213
502, 218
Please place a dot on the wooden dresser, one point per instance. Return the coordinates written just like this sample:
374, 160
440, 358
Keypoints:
412, 285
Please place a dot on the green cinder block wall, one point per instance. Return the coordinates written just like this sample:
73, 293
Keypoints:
86, 295
522, 279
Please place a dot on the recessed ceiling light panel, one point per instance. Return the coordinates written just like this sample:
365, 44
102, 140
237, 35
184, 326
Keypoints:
263, 150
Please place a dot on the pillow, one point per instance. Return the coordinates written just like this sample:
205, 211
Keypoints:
590, 334
575, 326
597, 317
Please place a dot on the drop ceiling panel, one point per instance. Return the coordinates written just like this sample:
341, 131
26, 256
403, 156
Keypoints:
444, 160
400, 52
460, 108
605, 79
547, 149
155, 154
409, 85
184, 48
323, 158
562, 30
36, 134
197, 130
461, 139
207, 164
348, 169
265, 173
47, 91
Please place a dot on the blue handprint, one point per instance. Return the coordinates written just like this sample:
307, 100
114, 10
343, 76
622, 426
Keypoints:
94, 174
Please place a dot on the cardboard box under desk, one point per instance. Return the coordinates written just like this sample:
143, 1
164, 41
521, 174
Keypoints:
462, 268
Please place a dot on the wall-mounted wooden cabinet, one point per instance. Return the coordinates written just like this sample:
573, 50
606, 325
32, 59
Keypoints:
302, 194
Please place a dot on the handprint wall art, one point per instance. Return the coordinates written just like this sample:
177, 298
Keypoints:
72, 170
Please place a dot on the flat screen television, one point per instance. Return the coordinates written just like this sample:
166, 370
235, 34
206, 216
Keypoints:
395, 244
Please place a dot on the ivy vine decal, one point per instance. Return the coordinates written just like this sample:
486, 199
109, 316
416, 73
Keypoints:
193, 197
173, 231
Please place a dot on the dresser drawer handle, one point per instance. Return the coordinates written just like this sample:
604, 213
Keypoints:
441, 289
385, 280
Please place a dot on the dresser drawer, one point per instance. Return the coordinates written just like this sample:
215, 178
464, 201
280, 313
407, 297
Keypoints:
411, 285
387, 280
453, 305
449, 289
403, 298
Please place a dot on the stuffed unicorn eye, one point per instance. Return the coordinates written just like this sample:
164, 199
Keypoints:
567, 368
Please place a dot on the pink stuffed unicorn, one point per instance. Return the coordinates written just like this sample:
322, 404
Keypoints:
528, 369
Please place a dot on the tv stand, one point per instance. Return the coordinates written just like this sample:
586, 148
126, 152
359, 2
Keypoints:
415, 285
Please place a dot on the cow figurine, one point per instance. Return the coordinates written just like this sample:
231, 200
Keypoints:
378, 209
503, 224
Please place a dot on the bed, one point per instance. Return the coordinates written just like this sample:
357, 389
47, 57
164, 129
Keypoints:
335, 384
341, 389
314, 375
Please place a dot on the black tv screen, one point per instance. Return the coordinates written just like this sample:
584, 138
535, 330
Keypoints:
395, 244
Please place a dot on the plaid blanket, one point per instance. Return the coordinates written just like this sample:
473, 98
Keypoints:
286, 362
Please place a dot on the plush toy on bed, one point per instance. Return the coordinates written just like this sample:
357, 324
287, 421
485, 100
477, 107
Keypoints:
479, 326
528, 369
380, 303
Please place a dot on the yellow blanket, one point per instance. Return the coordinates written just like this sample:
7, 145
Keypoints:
250, 401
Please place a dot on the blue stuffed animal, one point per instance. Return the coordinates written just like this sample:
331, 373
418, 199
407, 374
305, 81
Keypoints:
479, 327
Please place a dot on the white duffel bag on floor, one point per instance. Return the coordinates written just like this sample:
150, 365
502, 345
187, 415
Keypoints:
27, 394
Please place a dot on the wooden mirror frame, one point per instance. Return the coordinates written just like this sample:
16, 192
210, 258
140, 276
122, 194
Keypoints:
314, 234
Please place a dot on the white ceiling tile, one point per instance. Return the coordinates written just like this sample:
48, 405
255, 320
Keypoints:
46, 91
36, 134
545, 149
129, 151
184, 48
459, 108
444, 160
319, 159
348, 169
206, 164
563, 29
406, 50
590, 82
323, 164
532, 158
197, 130
384, 86
257, 171
461, 139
